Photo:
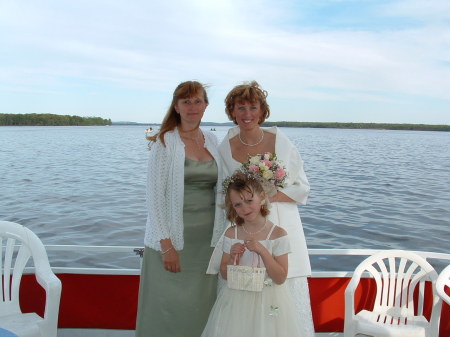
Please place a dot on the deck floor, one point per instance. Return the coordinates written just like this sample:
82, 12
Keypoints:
130, 333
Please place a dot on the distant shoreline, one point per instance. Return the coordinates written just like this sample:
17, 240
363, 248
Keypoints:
328, 125
66, 120
377, 126
50, 120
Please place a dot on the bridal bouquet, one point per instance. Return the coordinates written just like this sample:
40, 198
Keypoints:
267, 169
266, 166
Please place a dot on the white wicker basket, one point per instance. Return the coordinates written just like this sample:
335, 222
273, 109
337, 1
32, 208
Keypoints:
246, 277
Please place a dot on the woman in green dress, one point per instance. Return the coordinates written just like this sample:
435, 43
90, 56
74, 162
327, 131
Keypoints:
175, 294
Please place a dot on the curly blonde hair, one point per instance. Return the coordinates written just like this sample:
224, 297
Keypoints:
247, 92
241, 182
172, 119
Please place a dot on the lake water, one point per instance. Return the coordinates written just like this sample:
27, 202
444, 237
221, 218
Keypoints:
86, 185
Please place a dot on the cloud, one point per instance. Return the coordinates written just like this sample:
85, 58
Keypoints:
430, 11
72, 47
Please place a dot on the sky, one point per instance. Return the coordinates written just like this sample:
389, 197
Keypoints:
320, 60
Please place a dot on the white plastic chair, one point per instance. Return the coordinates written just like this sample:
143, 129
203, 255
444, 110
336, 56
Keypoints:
443, 281
18, 244
397, 275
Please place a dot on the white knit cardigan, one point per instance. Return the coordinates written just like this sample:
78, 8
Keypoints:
165, 189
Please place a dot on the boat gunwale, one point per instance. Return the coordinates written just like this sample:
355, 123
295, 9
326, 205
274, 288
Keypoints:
136, 271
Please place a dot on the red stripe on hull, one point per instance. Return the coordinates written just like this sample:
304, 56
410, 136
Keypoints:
110, 301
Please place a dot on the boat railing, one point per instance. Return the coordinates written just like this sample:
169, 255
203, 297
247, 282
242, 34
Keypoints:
324, 260
437, 260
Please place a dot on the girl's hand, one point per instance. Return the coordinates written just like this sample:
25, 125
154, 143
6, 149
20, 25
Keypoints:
236, 251
253, 245
171, 261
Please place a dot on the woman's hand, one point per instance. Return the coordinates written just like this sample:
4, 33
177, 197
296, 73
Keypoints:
171, 261
170, 257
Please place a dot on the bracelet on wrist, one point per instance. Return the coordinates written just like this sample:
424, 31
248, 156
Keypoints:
166, 251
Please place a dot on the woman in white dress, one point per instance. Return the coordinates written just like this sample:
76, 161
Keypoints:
247, 107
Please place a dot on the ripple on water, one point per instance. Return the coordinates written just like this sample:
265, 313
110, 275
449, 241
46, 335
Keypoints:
369, 189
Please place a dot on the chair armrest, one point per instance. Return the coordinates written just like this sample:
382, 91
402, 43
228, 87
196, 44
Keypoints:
53, 286
350, 296
442, 282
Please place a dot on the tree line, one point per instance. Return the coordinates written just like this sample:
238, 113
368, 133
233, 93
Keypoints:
50, 120
380, 126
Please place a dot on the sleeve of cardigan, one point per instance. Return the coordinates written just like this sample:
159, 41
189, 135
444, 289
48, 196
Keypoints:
157, 184
297, 185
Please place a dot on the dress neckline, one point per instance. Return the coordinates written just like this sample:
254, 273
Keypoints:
257, 240
199, 161
237, 162
230, 134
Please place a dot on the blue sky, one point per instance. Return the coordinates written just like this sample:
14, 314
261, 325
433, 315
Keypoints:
324, 61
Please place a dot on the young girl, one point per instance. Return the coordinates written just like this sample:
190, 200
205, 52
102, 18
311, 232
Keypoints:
269, 313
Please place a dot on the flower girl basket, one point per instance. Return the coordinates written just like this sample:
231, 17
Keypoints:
250, 278
246, 277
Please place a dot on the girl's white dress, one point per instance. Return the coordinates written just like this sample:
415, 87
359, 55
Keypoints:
268, 313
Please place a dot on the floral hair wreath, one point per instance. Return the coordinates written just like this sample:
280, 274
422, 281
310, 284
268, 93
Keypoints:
231, 179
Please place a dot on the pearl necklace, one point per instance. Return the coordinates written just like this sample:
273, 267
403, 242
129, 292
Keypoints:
258, 142
258, 231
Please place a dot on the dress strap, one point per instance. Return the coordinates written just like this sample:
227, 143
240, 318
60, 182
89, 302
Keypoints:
235, 232
270, 232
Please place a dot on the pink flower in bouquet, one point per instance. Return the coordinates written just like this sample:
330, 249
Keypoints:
253, 168
267, 162
280, 173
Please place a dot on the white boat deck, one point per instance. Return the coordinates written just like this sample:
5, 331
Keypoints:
130, 333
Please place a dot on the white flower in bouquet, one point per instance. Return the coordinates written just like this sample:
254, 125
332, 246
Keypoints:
267, 166
267, 175
254, 160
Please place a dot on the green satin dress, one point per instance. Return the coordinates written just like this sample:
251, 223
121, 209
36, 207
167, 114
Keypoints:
178, 304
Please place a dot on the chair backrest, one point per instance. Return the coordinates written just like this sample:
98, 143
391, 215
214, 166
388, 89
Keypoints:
398, 274
18, 244
442, 282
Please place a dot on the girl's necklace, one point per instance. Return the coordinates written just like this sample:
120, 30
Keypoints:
258, 142
258, 231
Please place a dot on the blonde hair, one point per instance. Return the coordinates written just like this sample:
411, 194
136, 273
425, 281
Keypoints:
247, 92
242, 182
172, 119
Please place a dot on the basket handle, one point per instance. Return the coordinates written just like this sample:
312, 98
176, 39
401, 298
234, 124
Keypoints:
253, 260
